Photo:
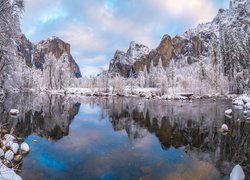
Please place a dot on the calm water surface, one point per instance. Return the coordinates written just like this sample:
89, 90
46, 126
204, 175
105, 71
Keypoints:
116, 138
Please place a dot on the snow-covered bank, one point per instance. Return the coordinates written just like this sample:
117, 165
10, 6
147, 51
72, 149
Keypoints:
147, 93
243, 102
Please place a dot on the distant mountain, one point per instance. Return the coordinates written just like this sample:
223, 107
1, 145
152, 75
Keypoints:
213, 53
36, 53
45, 65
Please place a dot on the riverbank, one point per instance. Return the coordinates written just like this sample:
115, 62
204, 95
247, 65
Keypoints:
146, 93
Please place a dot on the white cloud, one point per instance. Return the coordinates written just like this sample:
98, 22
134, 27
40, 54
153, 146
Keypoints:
95, 29
90, 70
197, 11
81, 38
121, 26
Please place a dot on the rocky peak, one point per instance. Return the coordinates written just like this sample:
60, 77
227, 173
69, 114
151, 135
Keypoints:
52, 45
237, 3
57, 48
222, 45
137, 50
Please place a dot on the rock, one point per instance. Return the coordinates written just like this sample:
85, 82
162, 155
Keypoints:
9, 137
247, 105
14, 111
7, 173
9, 155
244, 112
237, 173
18, 158
25, 148
190, 101
238, 102
214, 100
1, 152
229, 112
224, 128
4, 131
7, 143
4, 148
14, 147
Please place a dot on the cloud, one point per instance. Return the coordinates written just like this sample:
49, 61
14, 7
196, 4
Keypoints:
81, 38
90, 70
96, 29
197, 11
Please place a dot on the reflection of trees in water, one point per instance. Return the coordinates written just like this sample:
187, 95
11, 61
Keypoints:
48, 116
194, 127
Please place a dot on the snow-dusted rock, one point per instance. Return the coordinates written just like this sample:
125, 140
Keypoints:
8, 174
237, 173
9, 137
25, 148
1, 152
9, 155
14, 147
245, 112
238, 102
7, 143
14, 111
229, 112
247, 105
224, 127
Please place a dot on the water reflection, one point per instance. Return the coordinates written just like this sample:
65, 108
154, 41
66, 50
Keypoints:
192, 127
48, 116
126, 138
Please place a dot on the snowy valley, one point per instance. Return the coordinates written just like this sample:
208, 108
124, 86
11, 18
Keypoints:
209, 60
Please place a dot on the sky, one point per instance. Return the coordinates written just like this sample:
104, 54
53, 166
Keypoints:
95, 29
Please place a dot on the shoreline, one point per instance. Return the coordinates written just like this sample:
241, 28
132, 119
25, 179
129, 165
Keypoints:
143, 93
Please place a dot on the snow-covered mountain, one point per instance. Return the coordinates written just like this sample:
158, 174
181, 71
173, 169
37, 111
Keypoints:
214, 54
47, 65
36, 54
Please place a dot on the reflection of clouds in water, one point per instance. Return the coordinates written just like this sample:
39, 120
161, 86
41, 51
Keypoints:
88, 109
91, 114
146, 142
79, 139
198, 170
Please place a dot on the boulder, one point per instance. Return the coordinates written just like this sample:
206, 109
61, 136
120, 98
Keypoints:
237, 173
9, 137
229, 112
224, 128
14, 147
9, 155
7, 173
14, 111
7, 143
1, 152
25, 148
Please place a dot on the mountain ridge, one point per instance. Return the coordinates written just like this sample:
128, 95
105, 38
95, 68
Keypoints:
221, 45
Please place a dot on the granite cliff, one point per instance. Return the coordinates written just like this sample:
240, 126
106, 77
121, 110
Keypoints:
217, 52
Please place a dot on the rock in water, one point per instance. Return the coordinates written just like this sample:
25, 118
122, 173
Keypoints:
7, 143
1, 152
224, 127
9, 155
17, 158
229, 112
7, 173
9, 137
14, 111
25, 148
237, 173
14, 147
